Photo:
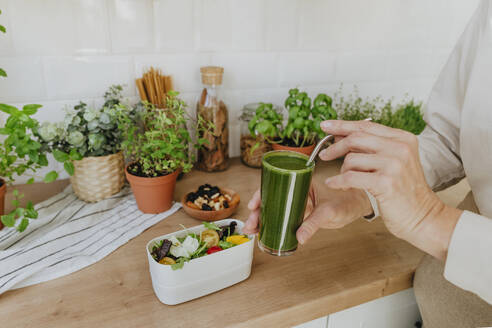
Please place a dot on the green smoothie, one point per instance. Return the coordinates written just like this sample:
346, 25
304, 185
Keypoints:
285, 183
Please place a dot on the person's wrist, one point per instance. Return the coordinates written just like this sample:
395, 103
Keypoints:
434, 232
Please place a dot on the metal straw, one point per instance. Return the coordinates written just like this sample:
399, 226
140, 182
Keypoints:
320, 145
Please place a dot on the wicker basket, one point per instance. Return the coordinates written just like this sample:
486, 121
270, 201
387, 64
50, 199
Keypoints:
97, 178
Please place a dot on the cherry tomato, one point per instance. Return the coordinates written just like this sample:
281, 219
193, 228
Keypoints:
214, 249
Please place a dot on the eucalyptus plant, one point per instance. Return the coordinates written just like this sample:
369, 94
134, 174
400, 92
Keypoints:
85, 131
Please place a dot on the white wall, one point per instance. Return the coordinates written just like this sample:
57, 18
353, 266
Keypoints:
57, 52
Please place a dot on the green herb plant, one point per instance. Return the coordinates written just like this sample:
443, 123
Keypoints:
266, 122
21, 154
86, 131
303, 125
159, 144
407, 115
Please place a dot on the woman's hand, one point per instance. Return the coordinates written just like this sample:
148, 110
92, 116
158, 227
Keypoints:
385, 162
327, 208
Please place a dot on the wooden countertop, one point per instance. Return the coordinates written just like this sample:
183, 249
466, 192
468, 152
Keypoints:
336, 270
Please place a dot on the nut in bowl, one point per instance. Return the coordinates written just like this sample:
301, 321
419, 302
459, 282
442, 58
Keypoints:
191, 263
210, 203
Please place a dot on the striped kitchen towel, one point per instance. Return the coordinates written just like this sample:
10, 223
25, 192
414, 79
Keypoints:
69, 235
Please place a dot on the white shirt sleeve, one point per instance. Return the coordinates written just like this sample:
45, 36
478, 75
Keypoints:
439, 144
469, 260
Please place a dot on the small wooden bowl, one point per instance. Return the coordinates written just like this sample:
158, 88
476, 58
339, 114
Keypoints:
213, 215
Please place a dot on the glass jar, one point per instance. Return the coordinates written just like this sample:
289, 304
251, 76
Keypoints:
214, 154
252, 148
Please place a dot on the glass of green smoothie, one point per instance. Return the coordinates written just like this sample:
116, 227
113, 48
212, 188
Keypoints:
285, 183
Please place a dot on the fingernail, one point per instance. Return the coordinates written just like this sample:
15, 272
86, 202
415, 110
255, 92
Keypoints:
326, 124
250, 204
322, 153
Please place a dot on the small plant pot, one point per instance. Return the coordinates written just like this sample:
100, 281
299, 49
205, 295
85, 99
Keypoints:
3, 190
302, 150
153, 195
99, 177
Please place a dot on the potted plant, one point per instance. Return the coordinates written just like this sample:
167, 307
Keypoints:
20, 154
303, 124
157, 150
262, 131
87, 142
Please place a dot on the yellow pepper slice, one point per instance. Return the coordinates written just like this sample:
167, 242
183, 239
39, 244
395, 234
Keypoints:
237, 239
167, 261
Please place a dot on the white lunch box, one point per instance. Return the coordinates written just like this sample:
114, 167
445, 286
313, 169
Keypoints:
203, 275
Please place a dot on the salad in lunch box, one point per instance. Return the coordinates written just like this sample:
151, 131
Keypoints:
175, 251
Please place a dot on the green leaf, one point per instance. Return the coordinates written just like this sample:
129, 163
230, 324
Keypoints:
43, 161
3, 29
23, 225
3, 73
31, 109
69, 167
7, 108
225, 244
9, 219
15, 193
51, 176
30, 181
75, 155
31, 213
60, 156
211, 225
15, 203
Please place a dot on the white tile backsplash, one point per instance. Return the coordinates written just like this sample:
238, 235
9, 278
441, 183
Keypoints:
247, 24
306, 68
42, 27
91, 27
173, 25
6, 44
248, 70
214, 24
281, 25
131, 25
90, 76
60, 51
354, 67
25, 79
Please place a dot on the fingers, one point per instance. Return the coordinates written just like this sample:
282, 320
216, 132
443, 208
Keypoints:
255, 201
251, 225
345, 128
309, 227
362, 162
359, 142
371, 182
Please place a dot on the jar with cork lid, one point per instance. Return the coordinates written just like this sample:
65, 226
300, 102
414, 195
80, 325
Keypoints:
213, 155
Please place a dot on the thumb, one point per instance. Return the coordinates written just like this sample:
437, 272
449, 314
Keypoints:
309, 227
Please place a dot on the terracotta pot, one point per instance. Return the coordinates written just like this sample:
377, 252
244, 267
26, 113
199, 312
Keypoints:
302, 150
153, 195
3, 190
